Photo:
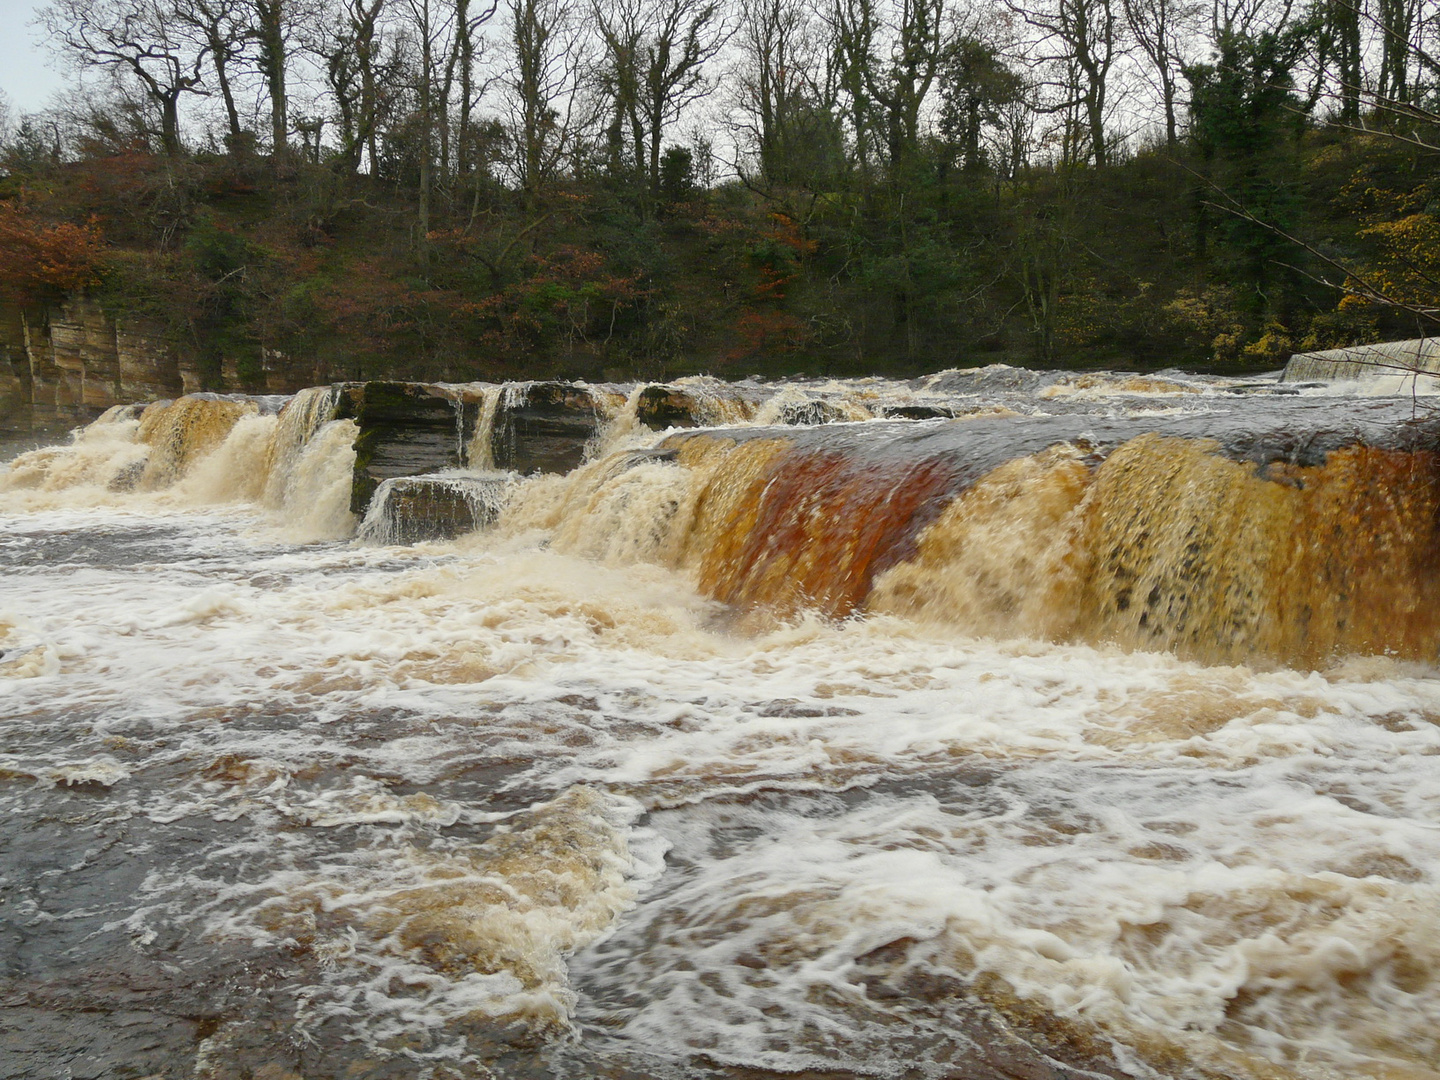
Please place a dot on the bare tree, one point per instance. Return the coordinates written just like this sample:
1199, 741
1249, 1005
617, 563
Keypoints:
979, 93
428, 27
273, 22
543, 87
1160, 29
219, 28
445, 38
656, 57
1352, 32
138, 38
470, 16
891, 55
913, 63
349, 44
783, 96
854, 32
1079, 41
1340, 46
1398, 20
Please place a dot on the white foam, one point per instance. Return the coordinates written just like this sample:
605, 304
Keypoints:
1239, 864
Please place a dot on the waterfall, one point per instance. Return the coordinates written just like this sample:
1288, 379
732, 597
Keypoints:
629, 507
479, 453
132, 447
299, 420
1164, 543
99, 459
238, 469
1394, 359
315, 504
1307, 535
205, 449
181, 432
512, 397
716, 403
1156, 542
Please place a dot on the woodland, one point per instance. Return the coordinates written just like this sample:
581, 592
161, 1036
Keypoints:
476, 189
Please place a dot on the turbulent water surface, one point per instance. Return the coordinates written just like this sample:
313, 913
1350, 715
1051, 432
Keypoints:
535, 803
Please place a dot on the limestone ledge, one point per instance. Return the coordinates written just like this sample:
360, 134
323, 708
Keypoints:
75, 359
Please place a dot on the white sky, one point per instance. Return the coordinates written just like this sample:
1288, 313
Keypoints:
25, 77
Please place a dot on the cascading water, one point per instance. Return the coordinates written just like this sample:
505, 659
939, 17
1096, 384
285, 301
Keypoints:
205, 450
407, 510
479, 453
1092, 733
100, 458
304, 415
179, 433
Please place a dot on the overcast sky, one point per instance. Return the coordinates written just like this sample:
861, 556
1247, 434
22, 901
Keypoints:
24, 75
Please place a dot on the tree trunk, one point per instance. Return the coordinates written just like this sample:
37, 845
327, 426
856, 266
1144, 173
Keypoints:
467, 89
220, 60
170, 124
369, 102
271, 18
427, 125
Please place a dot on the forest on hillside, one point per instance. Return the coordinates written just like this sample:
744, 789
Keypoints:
469, 189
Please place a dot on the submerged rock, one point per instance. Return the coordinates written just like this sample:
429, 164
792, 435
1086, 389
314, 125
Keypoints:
128, 478
918, 412
810, 413
411, 509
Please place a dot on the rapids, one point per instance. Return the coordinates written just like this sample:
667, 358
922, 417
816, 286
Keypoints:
1093, 732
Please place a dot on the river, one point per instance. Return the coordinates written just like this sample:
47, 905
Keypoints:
552, 800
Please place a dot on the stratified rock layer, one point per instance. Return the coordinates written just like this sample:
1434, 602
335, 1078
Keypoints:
544, 427
405, 429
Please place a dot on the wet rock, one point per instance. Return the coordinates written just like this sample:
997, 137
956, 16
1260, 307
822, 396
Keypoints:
661, 407
128, 478
543, 427
406, 429
918, 412
652, 455
699, 403
811, 413
409, 510
91, 1044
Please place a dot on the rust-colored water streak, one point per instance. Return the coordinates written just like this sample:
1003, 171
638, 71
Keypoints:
787, 527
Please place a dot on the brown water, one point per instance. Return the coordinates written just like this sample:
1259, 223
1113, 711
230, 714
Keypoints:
1098, 738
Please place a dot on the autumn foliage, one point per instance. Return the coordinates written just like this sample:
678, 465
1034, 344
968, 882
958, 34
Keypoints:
1404, 235
571, 294
778, 255
40, 259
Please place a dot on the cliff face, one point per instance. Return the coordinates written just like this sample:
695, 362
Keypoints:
72, 359
14, 366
